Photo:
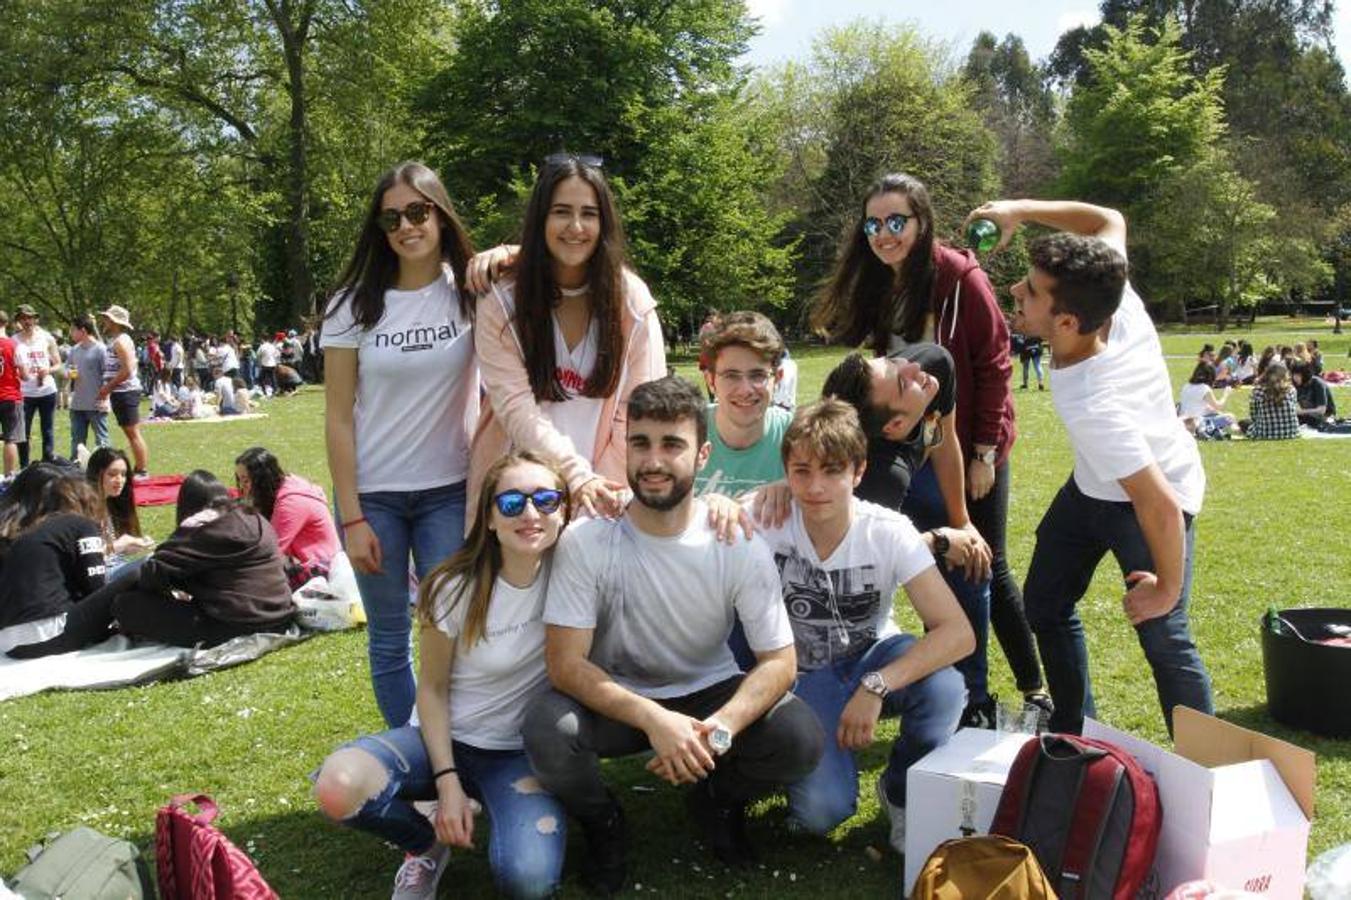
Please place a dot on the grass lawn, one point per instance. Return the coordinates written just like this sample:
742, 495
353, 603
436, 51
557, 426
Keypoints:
1273, 532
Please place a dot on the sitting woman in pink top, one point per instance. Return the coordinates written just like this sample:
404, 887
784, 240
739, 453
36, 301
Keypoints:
297, 509
564, 340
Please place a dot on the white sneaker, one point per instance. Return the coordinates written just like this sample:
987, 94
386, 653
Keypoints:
419, 875
894, 812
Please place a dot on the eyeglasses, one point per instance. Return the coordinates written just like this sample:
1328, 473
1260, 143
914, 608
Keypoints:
512, 503
587, 159
416, 213
757, 378
895, 223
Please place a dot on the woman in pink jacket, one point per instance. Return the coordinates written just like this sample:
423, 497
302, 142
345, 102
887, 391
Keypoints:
562, 343
297, 509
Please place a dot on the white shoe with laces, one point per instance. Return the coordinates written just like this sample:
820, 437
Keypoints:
895, 813
419, 875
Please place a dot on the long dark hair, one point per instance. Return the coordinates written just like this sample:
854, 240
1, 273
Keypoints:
374, 266
537, 291
122, 508
43, 490
265, 478
479, 561
200, 489
860, 301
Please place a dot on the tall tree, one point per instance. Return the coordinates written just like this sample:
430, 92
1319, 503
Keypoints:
1013, 96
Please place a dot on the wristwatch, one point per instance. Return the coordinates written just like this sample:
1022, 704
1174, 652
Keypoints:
873, 683
941, 543
986, 456
720, 738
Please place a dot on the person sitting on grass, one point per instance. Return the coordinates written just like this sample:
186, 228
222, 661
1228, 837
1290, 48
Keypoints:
109, 471
217, 577
1201, 411
840, 562
224, 386
1273, 407
164, 398
298, 510
1316, 405
51, 552
481, 661
288, 380
243, 396
639, 612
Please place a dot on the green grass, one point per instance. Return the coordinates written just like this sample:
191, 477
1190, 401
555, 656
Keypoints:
1273, 531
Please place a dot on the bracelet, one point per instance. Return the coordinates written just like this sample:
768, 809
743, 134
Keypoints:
436, 776
357, 521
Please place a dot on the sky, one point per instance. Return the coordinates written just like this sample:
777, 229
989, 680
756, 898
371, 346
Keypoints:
788, 25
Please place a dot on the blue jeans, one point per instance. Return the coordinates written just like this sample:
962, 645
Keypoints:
1074, 535
929, 709
924, 505
429, 526
80, 421
527, 827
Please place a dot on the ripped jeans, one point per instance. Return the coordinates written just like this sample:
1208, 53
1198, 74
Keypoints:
527, 826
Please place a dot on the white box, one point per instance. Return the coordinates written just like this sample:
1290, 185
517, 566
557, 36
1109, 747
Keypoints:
1236, 806
953, 792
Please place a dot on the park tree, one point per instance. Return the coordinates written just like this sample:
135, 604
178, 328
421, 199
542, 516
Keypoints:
1014, 98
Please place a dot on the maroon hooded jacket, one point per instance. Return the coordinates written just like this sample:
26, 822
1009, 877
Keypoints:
970, 325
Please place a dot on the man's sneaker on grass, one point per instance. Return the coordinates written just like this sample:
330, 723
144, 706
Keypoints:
419, 875
895, 813
606, 866
720, 825
980, 714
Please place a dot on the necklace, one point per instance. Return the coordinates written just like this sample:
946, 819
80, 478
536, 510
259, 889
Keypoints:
573, 292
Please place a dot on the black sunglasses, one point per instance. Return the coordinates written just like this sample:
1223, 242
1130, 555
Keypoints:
416, 213
895, 223
512, 503
587, 159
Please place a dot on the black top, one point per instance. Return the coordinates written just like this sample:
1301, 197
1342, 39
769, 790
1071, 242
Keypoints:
1315, 393
50, 568
891, 464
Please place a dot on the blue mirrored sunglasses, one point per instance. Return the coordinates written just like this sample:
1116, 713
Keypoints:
512, 503
895, 223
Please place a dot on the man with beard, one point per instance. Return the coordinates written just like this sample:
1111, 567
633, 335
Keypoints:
639, 610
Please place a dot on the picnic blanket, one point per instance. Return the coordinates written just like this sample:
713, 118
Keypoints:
162, 490
240, 418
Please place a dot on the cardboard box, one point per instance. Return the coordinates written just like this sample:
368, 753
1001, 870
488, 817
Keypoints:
953, 792
1236, 806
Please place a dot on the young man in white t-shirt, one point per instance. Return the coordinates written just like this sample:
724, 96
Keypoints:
840, 562
1137, 482
639, 610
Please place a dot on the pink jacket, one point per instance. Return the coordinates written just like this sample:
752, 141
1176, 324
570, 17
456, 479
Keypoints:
303, 522
512, 417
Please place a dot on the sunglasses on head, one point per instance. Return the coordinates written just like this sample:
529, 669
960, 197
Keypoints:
895, 223
512, 503
587, 159
416, 213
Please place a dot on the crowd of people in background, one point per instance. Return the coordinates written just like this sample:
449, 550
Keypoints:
1288, 391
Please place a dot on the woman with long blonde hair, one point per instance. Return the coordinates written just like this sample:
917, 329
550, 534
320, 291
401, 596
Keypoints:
481, 661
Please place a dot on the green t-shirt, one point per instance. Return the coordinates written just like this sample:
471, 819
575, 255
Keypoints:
735, 472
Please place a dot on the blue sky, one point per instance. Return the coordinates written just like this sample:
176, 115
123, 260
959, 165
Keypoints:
788, 25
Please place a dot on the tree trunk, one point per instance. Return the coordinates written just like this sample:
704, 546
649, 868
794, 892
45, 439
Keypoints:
294, 28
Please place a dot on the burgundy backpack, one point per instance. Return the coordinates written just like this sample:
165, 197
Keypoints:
197, 862
1088, 811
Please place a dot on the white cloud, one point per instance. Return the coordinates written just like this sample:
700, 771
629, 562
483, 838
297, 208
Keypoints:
769, 12
1073, 18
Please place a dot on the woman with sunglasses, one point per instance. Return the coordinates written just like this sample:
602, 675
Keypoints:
401, 405
481, 660
565, 340
895, 285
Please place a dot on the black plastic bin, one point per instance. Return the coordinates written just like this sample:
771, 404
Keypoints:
1308, 684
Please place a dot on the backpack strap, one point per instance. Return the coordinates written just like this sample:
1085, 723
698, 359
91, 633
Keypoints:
1099, 786
207, 809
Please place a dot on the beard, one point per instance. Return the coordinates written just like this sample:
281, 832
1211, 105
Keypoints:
661, 502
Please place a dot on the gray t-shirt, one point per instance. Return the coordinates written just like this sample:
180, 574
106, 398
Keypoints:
88, 361
662, 607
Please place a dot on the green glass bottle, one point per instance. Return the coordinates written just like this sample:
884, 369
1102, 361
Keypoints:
982, 235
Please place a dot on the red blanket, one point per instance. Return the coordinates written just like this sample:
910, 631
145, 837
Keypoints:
161, 490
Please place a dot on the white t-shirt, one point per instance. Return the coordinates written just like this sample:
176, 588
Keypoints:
35, 356
841, 605
492, 682
268, 354
417, 396
1192, 401
225, 392
785, 392
578, 417
662, 607
1118, 409
229, 359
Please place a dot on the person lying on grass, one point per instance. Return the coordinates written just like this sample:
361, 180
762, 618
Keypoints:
481, 661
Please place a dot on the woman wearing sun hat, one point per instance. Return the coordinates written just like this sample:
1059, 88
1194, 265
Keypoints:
121, 386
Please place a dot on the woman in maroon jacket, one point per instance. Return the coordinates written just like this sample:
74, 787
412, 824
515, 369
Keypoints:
893, 286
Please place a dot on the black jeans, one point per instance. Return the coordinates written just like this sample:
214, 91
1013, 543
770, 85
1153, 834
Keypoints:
990, 515
566, 741
45, 409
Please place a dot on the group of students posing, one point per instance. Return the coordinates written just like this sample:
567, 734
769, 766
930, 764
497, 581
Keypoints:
610, 565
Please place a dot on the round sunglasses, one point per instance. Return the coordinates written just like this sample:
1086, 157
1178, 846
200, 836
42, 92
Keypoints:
416, 213
895, 223
512, 503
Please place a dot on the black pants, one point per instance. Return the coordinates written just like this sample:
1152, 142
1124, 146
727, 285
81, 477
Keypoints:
566, 741
44, 409
990, 515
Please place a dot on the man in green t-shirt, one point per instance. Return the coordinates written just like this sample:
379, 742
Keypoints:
744, 428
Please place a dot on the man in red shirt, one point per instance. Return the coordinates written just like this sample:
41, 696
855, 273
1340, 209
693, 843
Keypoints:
11, 402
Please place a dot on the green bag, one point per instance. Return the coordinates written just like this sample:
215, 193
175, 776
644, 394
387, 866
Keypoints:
84, 865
